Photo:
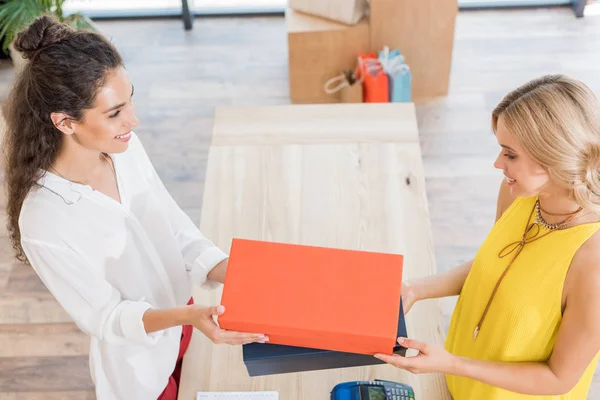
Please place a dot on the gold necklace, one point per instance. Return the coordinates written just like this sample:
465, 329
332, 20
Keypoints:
530, 234
539, 218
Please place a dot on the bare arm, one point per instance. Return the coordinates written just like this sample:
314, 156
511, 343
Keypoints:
445, 284
202, 318
450, 283
218, 273
576, 345
155, 320
577, 342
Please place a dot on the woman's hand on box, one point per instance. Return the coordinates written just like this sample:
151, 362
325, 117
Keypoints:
202, 318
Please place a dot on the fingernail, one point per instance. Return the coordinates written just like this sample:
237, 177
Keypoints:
400, 340
220, 309
377, 356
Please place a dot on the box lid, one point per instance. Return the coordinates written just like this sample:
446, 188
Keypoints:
315, 297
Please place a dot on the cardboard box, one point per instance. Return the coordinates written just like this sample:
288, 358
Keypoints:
423, 31
318, 50
270, 359
347, 12
314, 297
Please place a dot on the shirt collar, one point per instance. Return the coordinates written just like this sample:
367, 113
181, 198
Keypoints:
70, 192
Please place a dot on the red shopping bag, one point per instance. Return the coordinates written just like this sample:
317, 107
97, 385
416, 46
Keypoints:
375, 81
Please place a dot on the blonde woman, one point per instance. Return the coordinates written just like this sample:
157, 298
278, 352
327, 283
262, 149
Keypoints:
527, 321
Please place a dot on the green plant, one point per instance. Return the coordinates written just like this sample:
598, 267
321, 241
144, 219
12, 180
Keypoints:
17, 14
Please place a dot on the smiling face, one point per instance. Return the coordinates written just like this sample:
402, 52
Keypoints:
524, 175
107, 125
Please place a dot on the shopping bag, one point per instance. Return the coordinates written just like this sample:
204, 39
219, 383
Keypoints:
399, 75
348, 84
348, 12
374, 79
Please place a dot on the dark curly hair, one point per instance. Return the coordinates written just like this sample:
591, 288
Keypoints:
64, 72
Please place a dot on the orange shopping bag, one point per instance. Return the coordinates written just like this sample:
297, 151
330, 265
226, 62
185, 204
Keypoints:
375, 81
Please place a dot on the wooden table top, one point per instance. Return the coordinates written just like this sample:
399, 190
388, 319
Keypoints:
341, 175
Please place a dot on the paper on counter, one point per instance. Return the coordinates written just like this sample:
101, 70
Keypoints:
237, 396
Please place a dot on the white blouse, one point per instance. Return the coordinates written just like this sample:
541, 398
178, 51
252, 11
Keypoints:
108, 262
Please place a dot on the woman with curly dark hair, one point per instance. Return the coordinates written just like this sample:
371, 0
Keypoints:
87, 210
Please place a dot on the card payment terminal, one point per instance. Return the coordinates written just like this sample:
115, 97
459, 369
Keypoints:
372, 390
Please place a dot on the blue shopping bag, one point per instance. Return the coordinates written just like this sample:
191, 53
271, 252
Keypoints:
400, 79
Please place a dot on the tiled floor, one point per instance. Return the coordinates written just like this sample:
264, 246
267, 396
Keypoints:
181, 76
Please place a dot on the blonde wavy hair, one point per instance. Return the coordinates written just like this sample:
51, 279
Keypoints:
557, 121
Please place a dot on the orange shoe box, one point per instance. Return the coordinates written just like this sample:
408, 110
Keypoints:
314, 297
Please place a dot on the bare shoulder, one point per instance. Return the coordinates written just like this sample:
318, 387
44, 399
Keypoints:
584, 273
505, 199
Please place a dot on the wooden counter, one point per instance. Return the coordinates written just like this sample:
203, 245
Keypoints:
340, 175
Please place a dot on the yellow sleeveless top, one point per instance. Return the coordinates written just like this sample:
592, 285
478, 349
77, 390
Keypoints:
523, 319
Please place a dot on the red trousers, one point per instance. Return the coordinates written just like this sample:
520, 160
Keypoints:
170, 392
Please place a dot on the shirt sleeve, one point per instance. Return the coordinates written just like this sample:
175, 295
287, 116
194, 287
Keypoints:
93, 303
199, 253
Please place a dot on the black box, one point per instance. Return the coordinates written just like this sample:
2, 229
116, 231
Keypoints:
270, 359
